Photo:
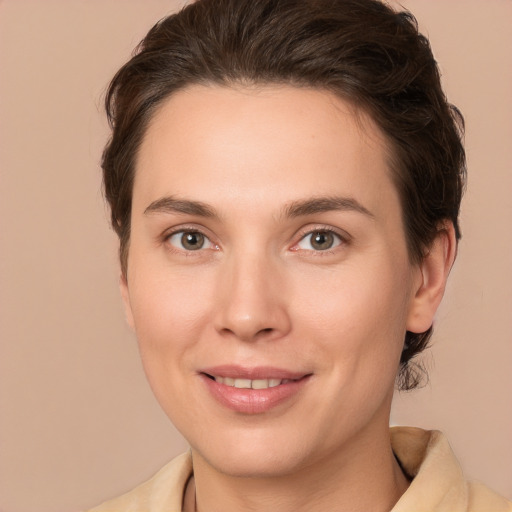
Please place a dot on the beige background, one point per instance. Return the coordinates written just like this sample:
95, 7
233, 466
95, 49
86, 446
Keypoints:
78, 422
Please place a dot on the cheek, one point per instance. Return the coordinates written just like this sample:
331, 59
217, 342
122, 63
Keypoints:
357, 314
169, 309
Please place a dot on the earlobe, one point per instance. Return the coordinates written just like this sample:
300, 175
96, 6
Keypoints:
434, 271
123, 287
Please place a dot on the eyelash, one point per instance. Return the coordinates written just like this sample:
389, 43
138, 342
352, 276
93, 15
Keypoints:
183, 230
342, 239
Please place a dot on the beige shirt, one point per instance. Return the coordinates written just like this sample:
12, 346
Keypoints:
438, 484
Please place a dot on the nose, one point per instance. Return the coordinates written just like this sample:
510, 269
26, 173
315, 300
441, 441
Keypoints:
251, 301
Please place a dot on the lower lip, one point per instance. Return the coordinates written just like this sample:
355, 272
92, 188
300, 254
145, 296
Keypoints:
254, 401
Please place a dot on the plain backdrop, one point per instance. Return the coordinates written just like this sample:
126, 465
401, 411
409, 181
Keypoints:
78, 422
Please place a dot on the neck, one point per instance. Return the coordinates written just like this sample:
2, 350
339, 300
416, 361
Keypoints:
365, 476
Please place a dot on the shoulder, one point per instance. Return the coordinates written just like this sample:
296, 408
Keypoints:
163, 492
437, 480
482, 499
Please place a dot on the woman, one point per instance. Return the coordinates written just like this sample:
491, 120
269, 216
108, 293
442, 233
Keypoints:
285, 180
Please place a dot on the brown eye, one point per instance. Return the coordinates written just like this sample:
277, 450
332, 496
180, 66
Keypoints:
320, 241
190, 241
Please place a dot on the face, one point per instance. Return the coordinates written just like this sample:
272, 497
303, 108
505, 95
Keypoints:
268, 279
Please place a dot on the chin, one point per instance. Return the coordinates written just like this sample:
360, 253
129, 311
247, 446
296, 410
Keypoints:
252, 456
257, 465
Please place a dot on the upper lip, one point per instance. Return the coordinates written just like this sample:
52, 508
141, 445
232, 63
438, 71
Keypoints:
253, 373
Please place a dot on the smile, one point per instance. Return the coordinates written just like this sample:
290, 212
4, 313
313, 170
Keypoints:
253, 390
251, 384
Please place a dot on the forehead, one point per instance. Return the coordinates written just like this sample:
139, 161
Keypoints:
242, 143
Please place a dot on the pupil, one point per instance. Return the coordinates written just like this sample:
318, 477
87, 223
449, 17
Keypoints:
322, 240
192, 241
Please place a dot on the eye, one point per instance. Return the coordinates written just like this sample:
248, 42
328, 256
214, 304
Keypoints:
190, 241
320, 240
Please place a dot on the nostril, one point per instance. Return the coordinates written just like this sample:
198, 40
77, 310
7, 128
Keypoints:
264, 332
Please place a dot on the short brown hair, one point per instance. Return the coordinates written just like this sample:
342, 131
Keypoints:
361, 50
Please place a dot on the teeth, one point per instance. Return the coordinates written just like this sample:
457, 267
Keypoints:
259, 384
248, 383
243, 383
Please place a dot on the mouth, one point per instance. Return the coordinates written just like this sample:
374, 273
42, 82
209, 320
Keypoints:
249, 383
254, 390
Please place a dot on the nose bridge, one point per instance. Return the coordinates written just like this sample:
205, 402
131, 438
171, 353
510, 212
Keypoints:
251, 297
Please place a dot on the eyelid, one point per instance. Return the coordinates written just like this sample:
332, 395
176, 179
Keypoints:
344, 237
187, 228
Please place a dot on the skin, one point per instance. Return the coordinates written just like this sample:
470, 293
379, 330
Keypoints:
259, 293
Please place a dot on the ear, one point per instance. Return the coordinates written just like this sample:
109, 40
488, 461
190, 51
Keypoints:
431, 283
125, 294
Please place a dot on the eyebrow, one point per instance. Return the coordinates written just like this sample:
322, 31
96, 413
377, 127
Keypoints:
170, 204
325, 204
294, 209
